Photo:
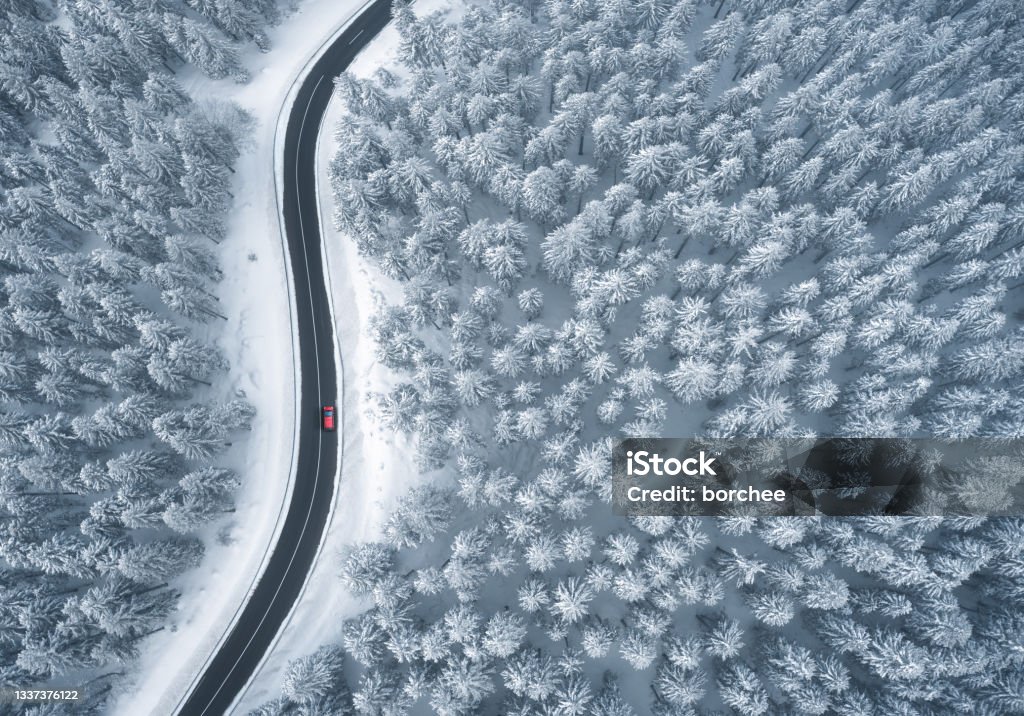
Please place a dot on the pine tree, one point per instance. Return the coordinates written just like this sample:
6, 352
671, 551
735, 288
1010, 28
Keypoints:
503, 635
609, 700
363, 639
195, 433
638, 649
365, 566
421, 514
156, 562
310, 679
678, 686
377, 692
571, 599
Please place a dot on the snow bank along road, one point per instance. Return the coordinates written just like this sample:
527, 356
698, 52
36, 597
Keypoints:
286, 571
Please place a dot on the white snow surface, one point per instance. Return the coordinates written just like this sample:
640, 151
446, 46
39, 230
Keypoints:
259, 343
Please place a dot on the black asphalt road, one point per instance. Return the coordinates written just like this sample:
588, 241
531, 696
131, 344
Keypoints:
290, 562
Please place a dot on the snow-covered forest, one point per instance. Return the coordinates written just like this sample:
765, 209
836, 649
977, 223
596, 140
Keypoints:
670, 217
113, 196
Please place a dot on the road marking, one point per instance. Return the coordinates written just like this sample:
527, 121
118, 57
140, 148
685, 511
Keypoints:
320, 436
355, 36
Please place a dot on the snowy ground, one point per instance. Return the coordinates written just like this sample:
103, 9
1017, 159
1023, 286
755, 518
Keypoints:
375, 463
259, 343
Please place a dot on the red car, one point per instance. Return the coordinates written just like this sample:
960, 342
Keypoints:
327, 417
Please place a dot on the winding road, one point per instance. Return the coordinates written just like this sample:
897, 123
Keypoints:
226, 674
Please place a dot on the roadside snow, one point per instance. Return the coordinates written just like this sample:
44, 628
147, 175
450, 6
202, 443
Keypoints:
259, 342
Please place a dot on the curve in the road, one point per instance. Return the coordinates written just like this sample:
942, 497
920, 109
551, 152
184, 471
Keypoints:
288, 567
